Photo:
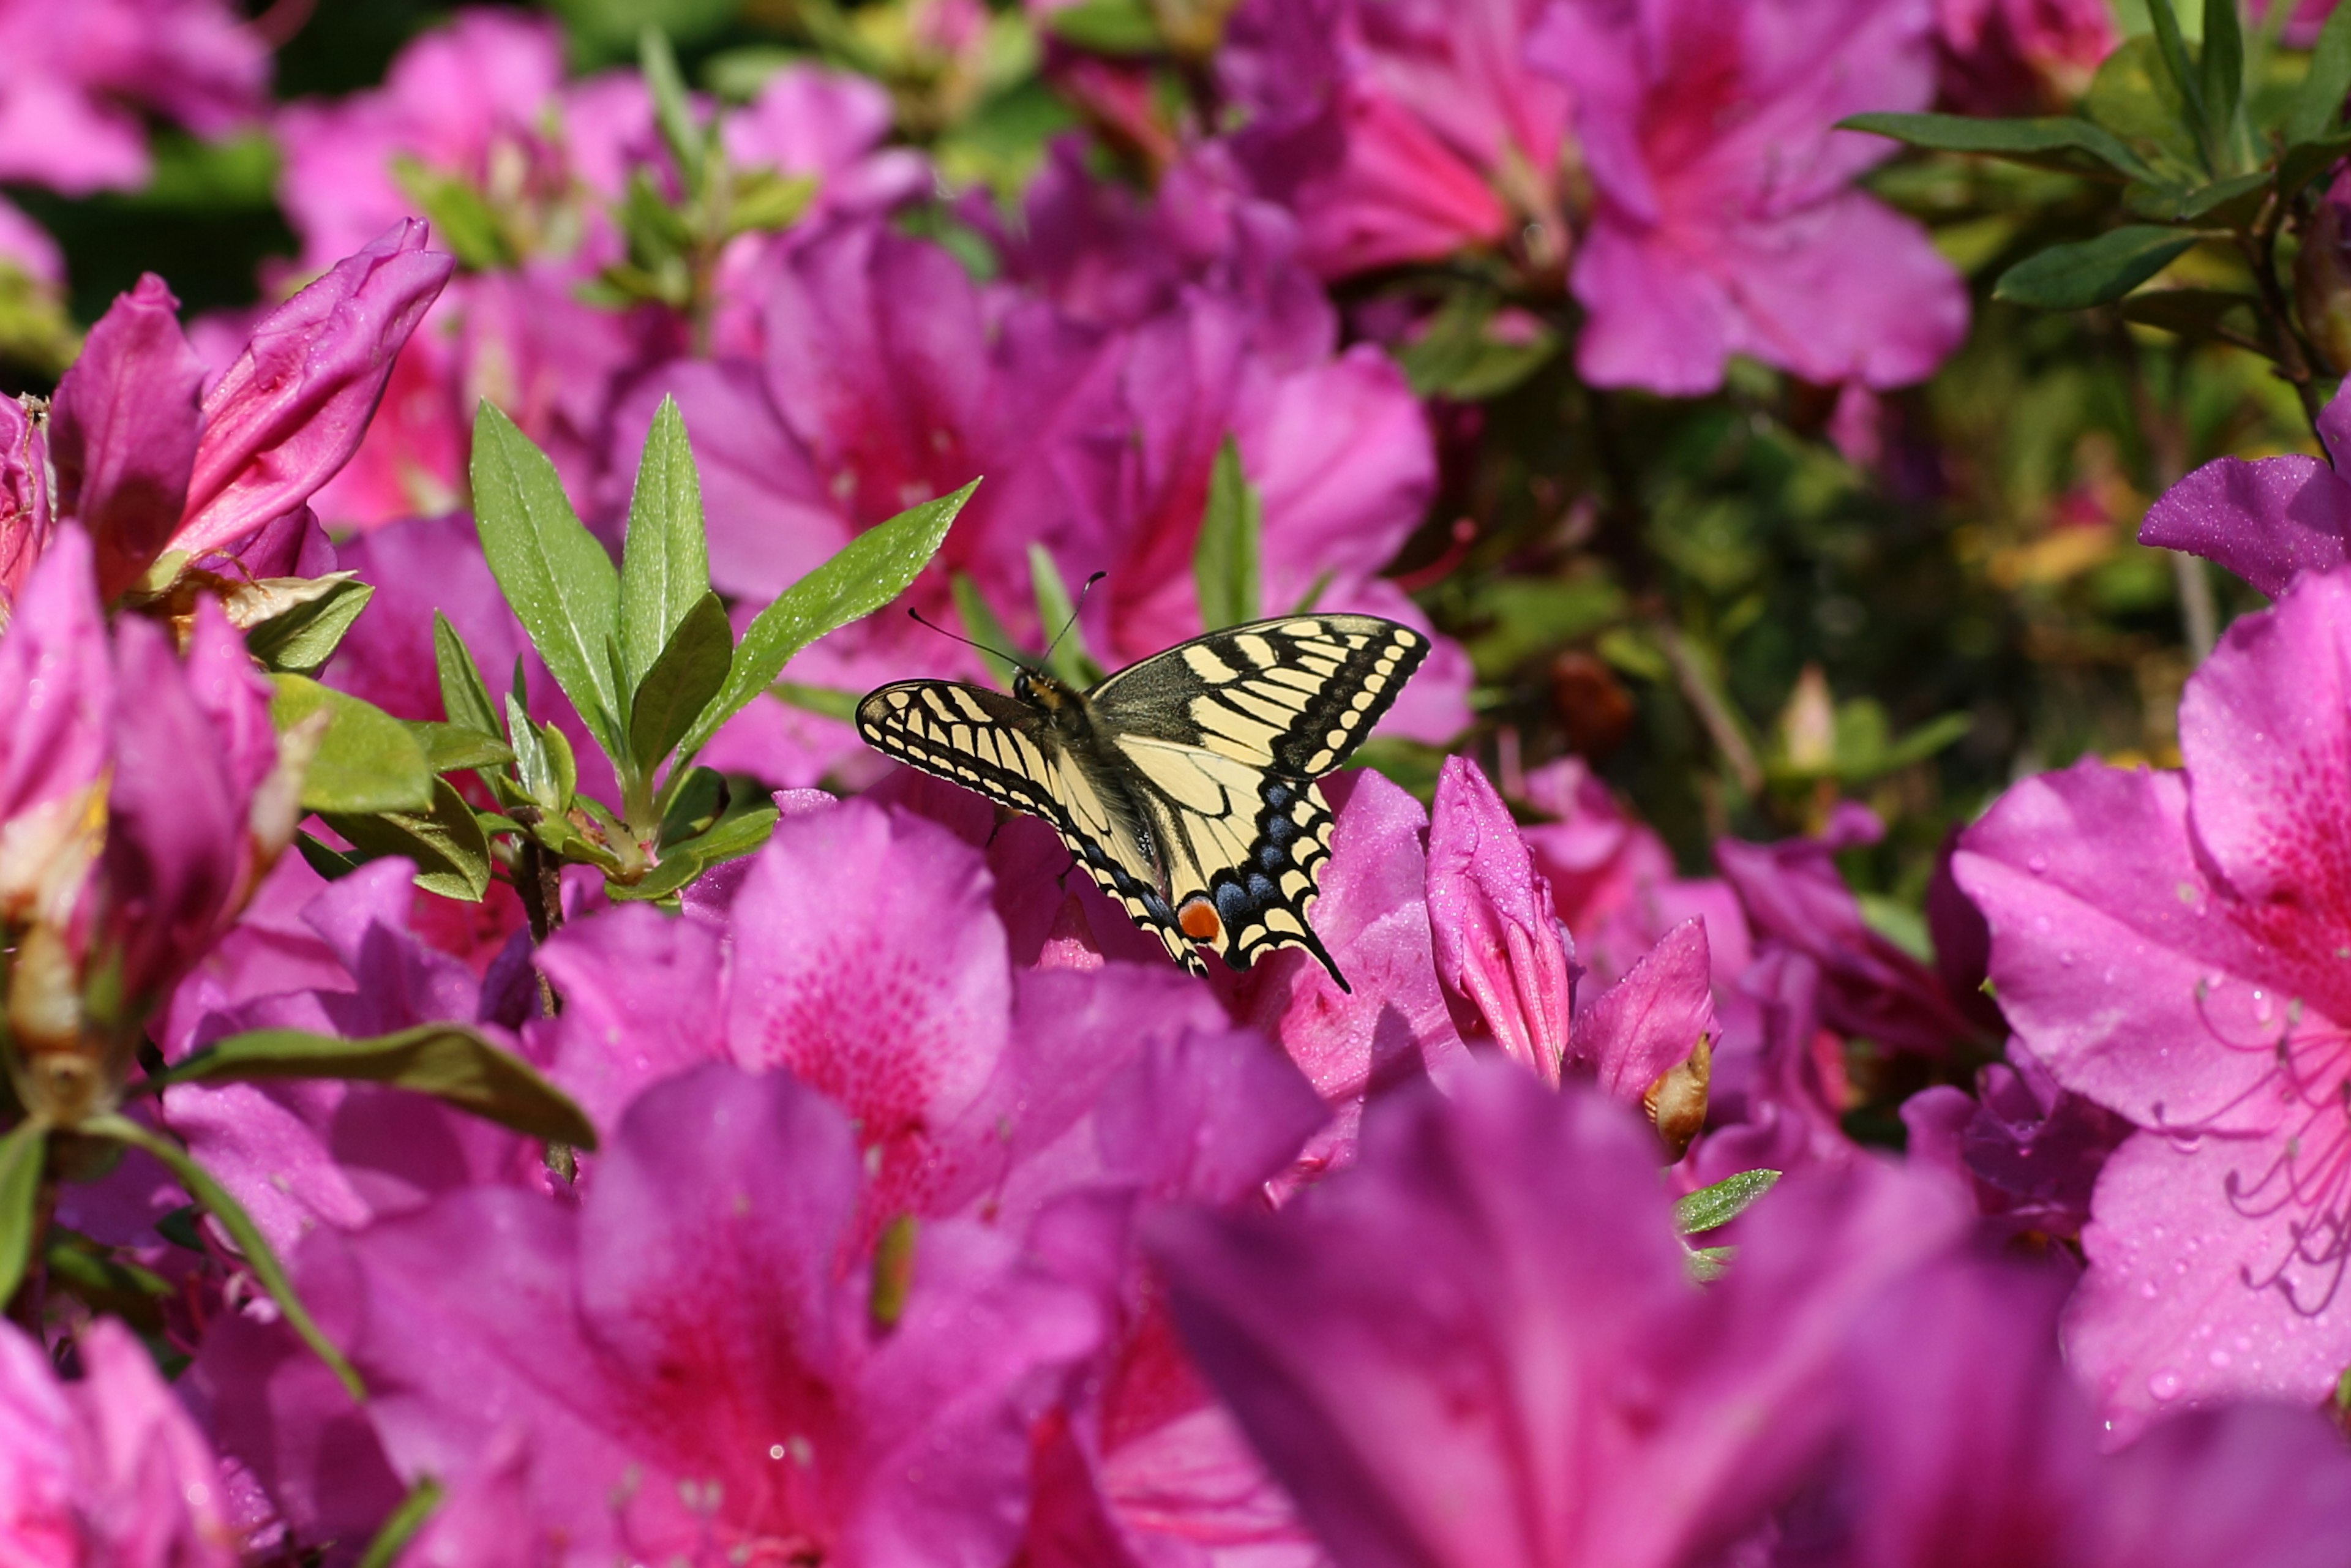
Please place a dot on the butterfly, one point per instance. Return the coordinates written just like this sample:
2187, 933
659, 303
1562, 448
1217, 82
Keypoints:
1185, 782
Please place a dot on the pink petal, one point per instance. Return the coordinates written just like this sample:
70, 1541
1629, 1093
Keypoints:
124, 429
1499, 948
1648, 1022
2268, 521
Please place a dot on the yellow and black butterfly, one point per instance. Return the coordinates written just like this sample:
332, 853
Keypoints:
1185, 782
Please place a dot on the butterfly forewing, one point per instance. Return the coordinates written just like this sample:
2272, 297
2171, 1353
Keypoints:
1185, 781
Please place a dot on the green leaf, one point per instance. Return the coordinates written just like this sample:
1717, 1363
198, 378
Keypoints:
1712, 1206
980, 624
367, 760
863, 575
2230, 202
543, 762
450, 1061
462, 219
2221, 69
22, 1154
1457, 357
304, 635
2173, 49
556, 578
2076, 146
1224, 562
764, 201
1708, 1264
464, 696
733, 837
830, 701
1106, 27
451, 854
454, 749
400, 1525
681, 683
681, 132
665, 560
224, 1207
2194, 312
2135, 97
331, 864
1067, 656
2306, 161
2094, 271
694, 806
2318, 102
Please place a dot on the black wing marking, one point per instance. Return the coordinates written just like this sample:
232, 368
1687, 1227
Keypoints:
1294, 695
1004, 749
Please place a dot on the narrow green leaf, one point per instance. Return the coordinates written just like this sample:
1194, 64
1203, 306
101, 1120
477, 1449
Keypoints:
830, 701
450, 1061
982, 626
2318, 102
681, 132
464, 696
367, 760
1106, 27
2194, 312
447, 844
331, 864
1708, 1264
693, 806
2092, 271
22, 1152
454, 749
2173, 49
399, 1526
681, 683
462, 218
304, 635
863, 575
893, 1272
1225, 562
224, 1207
2239, 197
665, 560
1067, 655
765, 201
545, 774
1710, 1207
2076, 146
2220, 71
556, 578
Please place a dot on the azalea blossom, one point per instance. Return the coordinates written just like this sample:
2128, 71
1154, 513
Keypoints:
2166, 944
2270, 519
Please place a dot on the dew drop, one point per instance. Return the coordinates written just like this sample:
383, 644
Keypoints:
2038, 864
2164, 1386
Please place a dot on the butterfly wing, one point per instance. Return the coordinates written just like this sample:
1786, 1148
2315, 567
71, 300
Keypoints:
1007, 751
1220, 740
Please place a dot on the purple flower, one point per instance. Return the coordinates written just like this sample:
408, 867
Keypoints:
1726, 221
2029, 1151
1398, 129
26, 515
1482, 1345
700, 1357
1795, 898
2269, 520
2019, 57
80, 78
124, 431
2170, 946
105, 1471
1501, 952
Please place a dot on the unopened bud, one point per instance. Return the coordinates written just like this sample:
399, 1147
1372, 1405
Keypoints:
1675, 1102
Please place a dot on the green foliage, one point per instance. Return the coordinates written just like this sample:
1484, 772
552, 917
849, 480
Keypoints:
304, 621
1224, 562
366, 759
2094, 271
23, 1150
1710, 1207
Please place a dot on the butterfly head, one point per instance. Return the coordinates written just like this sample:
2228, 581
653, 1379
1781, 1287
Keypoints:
1039, 690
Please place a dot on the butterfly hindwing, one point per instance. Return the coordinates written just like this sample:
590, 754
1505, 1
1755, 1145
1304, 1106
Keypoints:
1007, 751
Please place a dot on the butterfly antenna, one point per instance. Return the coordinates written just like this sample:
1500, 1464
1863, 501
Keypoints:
921, 619
1087, 587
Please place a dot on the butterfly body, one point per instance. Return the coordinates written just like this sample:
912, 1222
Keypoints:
1183, 783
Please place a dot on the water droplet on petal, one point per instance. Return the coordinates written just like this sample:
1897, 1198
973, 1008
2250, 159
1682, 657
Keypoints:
2164, 1386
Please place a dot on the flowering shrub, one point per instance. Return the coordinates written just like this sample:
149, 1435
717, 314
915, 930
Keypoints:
1786, 928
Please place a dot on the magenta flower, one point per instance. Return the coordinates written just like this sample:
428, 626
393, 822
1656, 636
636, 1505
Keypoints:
698, 1359
80, 76
105, 1472
1796, 898
1482, 1344
1398, 129
1500, 951
2019, 57
2028, 1151
147, 468
1726, 221
2269, 520
2169, 945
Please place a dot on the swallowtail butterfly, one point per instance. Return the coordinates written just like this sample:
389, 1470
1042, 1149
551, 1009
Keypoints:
1185, 782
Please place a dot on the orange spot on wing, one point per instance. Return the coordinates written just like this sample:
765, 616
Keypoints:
1198, 919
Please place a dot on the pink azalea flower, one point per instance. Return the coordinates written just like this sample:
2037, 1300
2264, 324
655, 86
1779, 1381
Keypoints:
105, 1472
1500, 952
2169, 945
80, 78
1398, 129
148, 468
2028, 1151
1778, 1086
25, 506
2019, 57
1726, 222
698, 1359
1482, 1345
2269, 520
1796, 898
